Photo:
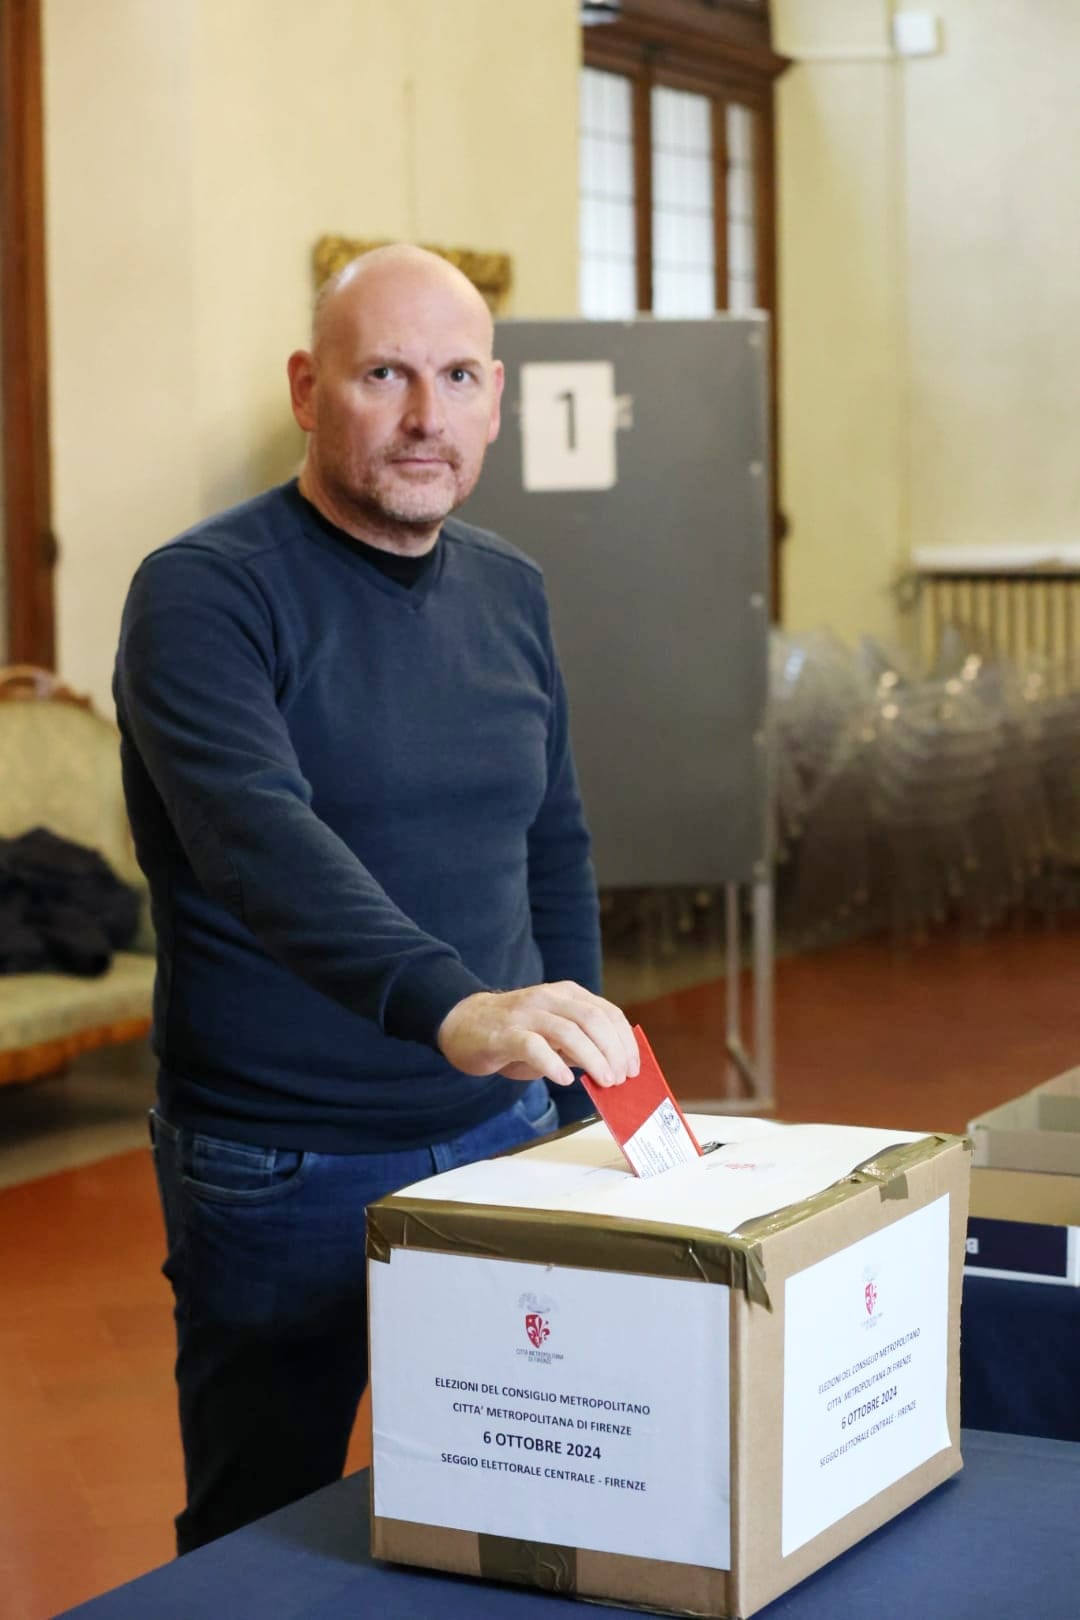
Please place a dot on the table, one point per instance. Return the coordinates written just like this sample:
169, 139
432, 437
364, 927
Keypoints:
1020, 1359
1000, 1539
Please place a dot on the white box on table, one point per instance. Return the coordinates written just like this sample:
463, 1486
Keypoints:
686, 1393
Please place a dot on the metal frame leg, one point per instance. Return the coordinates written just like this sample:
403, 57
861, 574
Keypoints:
749, 1078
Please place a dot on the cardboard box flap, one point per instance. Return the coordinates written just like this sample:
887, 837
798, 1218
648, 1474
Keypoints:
1059, 1103
1039, 1131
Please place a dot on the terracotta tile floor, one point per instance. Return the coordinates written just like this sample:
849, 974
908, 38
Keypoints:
90, 1470
922, 1039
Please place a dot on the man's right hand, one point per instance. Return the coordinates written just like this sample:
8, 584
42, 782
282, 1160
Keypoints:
538, 1033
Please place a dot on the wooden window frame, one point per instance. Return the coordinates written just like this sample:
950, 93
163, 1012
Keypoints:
30, 546
721, 49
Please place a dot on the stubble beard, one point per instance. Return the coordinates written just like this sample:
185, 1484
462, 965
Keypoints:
390, 509
413, 505
416, 510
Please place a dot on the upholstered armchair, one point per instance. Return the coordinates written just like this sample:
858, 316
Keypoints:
60, 769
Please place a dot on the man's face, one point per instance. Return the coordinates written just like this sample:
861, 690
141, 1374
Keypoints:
400, 399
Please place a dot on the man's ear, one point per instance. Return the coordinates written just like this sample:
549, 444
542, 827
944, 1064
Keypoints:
302, 384
499, 379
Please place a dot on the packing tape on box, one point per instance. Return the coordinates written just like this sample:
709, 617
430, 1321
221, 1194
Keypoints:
546, 1237
887, 1171
556, 1569
528, 1563
606, 1243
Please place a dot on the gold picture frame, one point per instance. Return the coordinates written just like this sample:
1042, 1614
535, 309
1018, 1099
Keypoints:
491, 273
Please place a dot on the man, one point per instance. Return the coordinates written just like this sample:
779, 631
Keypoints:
349, 777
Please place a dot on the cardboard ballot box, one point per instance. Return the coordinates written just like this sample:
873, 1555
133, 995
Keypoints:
1025, 1189
1039, 1131
685, 1393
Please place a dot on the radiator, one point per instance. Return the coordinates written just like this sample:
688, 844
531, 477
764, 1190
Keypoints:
1019, 603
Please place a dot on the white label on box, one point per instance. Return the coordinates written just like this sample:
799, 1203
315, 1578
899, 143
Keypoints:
568, 424
661, 1142
581, 1408
865, 1370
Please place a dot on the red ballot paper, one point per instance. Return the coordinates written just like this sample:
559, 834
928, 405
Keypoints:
644, 1118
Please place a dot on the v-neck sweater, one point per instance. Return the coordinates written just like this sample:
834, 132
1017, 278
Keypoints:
404, 567
355, 804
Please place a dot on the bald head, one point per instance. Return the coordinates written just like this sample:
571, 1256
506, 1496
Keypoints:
398, 394
399, 265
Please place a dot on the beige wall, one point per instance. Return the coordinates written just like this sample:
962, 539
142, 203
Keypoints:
930, 254
992, 155
841, 367
195, 152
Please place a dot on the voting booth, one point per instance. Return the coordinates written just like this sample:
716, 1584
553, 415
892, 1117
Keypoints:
632, 465
684, 1393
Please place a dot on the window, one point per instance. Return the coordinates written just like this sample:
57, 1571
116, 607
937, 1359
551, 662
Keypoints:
677, 189
741, 223
608, 272
693, 165
683, 221
687, 153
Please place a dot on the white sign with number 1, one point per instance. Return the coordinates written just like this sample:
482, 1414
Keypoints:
568, 424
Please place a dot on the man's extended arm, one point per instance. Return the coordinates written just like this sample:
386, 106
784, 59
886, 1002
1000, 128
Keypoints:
562, 883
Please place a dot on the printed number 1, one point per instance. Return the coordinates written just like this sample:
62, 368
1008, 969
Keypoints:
567, 425
571, 419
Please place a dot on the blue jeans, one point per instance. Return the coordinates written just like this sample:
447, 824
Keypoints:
266, 1262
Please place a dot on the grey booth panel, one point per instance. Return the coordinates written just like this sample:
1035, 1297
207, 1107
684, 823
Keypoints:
659, 591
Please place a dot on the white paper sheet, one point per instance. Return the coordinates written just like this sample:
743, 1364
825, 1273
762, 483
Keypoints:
763, 1166
552, 1404
865, 1370
568, 425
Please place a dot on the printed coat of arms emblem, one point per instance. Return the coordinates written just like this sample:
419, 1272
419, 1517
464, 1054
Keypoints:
536, 1328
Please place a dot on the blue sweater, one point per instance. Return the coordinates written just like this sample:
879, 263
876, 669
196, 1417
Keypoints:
355, 804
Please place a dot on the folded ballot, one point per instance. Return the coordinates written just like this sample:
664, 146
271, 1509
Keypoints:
644, 1118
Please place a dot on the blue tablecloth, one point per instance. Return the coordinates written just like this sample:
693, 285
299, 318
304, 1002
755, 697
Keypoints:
1020, 1359
999, 1540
